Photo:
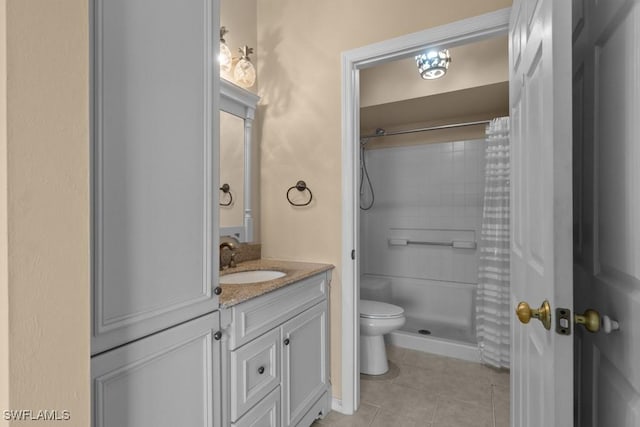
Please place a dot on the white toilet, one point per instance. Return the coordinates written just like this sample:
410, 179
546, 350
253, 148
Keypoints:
376, 319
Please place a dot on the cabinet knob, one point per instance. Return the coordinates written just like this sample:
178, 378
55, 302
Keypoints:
217, 290
261, 370
217, 336
286, 341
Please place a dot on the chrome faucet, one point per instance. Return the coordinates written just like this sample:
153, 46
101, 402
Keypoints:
232, 247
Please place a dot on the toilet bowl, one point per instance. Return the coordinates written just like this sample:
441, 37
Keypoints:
376, 319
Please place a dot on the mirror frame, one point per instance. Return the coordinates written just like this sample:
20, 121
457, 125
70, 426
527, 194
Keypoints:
241, 103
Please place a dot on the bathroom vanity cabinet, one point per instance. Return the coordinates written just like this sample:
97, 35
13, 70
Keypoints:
275, 356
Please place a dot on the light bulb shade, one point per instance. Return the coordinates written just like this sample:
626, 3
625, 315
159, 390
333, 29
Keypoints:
224, 58
433, 64
244, 73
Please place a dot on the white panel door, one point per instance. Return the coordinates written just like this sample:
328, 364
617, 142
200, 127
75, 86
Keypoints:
154, 91
169, 379
541, 242
606, 88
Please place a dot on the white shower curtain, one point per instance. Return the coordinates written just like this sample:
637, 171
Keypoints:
492, 306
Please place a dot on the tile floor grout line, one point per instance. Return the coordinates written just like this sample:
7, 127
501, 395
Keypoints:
435, 410
375, 415
493, 406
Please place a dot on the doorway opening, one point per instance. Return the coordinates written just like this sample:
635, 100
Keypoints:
459, 33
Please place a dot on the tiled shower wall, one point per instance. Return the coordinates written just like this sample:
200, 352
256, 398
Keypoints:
426, 192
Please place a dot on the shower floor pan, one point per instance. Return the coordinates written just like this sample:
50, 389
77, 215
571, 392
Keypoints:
444, 339
439, 330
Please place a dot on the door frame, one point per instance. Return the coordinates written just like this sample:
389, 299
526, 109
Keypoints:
456, 33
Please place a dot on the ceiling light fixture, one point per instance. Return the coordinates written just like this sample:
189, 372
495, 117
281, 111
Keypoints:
433, 64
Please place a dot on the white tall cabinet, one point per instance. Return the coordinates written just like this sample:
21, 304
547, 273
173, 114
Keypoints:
154, 115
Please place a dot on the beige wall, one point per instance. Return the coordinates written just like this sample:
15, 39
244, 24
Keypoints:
467, 105
239, 16
476, 64
299, 48
4, 271
45, 208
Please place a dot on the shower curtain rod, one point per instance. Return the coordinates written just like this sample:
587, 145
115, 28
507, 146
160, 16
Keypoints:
381, 132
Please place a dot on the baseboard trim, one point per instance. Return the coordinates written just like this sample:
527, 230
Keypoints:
336, 405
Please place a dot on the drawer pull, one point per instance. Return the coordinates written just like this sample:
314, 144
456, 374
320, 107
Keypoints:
286, 341
261, 370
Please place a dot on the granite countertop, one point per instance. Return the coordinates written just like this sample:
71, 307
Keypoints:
295, 271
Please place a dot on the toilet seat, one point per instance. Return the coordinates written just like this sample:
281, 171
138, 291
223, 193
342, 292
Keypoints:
379, 310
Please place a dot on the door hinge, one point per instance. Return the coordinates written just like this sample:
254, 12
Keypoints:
563, 324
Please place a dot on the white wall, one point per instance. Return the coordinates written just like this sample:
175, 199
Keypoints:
430, 192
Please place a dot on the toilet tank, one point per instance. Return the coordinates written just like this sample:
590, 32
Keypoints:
375, 288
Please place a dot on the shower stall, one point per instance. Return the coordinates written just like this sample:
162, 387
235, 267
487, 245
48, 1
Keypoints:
420, 230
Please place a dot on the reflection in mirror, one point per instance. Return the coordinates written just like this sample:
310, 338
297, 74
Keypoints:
237, 111
231, 171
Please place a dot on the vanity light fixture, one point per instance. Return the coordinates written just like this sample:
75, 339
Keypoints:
224, 58
245, 73
433, 64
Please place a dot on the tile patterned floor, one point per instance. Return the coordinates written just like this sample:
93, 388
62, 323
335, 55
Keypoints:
430, 391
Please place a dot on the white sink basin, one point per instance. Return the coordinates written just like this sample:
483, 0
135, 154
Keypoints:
253, 276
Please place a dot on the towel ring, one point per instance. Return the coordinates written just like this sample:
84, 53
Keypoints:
300, 186
226, 189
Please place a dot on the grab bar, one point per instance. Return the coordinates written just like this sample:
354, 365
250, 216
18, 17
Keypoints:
458, 244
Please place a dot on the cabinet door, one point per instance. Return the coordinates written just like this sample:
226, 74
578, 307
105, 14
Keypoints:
304, 362
169, 379
154, 94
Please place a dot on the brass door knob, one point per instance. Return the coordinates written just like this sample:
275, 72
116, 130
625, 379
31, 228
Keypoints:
543, 314
590, 320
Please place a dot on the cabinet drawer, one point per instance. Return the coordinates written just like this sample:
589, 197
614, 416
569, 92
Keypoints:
254, 317
264, 414
255, 371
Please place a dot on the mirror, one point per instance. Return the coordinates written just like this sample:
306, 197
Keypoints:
237, 111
